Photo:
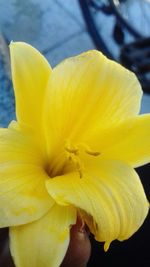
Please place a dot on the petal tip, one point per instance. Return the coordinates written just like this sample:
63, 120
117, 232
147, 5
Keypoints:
12, 44
106, 246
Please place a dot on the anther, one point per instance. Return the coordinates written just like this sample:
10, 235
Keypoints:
73, 150
93, 153
89, 151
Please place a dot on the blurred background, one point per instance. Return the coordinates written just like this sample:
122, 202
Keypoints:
63, 28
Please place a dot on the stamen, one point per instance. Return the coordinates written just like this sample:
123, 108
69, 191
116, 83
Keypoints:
89, 151
73, 150
93, 153
79, 167
77, 163
73, 156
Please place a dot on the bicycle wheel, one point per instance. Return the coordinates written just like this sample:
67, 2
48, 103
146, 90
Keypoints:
113, 23
90, 10
134, 15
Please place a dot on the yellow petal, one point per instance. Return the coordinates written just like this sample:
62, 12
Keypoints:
129, 141
110, 197
23, 197
43, 243
88, 92
18, 146
30, 74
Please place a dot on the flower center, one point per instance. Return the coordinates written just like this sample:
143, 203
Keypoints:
69, 160
73, 157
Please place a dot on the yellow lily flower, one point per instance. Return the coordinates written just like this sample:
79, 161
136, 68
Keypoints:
72, 151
